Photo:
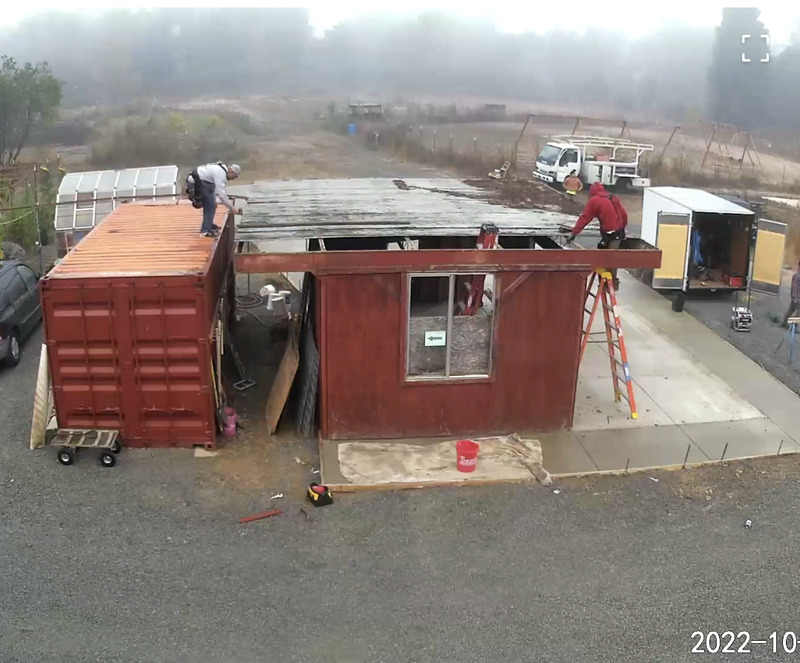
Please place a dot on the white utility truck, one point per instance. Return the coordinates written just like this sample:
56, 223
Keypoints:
709, 243
611, 161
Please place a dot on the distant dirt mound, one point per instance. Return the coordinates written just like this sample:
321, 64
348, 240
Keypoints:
524, 194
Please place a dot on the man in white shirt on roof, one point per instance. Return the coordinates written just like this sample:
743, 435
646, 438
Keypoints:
213, 178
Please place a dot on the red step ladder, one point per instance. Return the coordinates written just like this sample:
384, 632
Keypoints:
600, 288
487, 239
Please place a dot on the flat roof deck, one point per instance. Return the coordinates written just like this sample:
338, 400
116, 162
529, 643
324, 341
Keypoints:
385, 207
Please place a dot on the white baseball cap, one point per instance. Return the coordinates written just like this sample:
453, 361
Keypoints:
237, 169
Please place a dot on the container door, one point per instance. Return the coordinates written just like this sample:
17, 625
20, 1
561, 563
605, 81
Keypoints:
672, 239
768, 257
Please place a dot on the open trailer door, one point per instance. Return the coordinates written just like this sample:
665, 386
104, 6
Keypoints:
672, 239
768, 257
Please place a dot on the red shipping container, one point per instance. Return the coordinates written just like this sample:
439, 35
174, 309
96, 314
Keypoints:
129, 316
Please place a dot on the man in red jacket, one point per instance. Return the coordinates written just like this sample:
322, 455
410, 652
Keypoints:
612, 216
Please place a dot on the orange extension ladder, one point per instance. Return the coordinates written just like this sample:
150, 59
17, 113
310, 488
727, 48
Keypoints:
605, 296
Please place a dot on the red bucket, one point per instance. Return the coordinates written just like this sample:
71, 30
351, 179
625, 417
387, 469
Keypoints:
467, 455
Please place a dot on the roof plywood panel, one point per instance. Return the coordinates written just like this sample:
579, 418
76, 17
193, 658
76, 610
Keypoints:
142, 239
379, 207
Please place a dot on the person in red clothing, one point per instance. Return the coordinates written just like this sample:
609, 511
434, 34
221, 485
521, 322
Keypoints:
612, 216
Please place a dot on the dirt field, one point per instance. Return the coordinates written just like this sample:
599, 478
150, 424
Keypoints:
299, 145
295, 143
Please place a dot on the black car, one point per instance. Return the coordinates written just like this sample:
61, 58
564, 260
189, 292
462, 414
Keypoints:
20, 308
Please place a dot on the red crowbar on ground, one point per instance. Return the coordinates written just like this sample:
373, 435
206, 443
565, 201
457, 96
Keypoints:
260, 516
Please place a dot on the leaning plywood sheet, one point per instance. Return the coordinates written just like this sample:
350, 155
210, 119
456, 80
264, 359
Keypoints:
279, 393
42, 402
399, 464
372, 207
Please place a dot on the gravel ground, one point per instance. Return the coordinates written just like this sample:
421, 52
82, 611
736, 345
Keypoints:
146, 562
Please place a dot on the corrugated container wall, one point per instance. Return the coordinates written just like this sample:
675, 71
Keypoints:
129, 317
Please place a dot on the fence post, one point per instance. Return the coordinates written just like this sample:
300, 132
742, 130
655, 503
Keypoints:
434, 140
451, 145
475, 144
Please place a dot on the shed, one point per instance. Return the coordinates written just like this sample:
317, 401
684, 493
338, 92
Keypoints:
711, 243
365, 111
397, 354
84, 199
132, 318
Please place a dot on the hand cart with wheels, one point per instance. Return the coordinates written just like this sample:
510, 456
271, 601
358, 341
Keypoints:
69, 442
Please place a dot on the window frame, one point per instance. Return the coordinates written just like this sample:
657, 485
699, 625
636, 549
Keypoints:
406, 354
84, 200
13, 276
572, 155
21, 270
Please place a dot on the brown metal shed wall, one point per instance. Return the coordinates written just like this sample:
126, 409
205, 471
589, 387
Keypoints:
534, 374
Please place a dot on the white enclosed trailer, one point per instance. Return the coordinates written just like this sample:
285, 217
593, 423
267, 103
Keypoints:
709, 243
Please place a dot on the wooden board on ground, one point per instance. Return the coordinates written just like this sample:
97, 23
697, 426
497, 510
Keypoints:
279, 393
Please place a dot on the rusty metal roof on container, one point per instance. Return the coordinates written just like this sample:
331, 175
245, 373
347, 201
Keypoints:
143, 239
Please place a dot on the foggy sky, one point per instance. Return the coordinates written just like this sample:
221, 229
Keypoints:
634, 18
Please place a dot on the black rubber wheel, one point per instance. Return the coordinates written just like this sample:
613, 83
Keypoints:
116, 447
14, 349
66, 457
624, 185
678, 302
107, 459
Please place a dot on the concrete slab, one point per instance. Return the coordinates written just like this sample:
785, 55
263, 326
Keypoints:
751, 437
697, 397
563, 454
595, 408
595, 362
639, 447
745, 377
650, 353
789, 424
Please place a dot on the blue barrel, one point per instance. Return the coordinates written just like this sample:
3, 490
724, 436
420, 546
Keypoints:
351, 129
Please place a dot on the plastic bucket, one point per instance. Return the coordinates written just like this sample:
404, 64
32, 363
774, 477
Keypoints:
351, 129
467, 455
229, 429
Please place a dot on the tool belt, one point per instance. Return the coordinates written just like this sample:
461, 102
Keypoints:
607, 238
194, 189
